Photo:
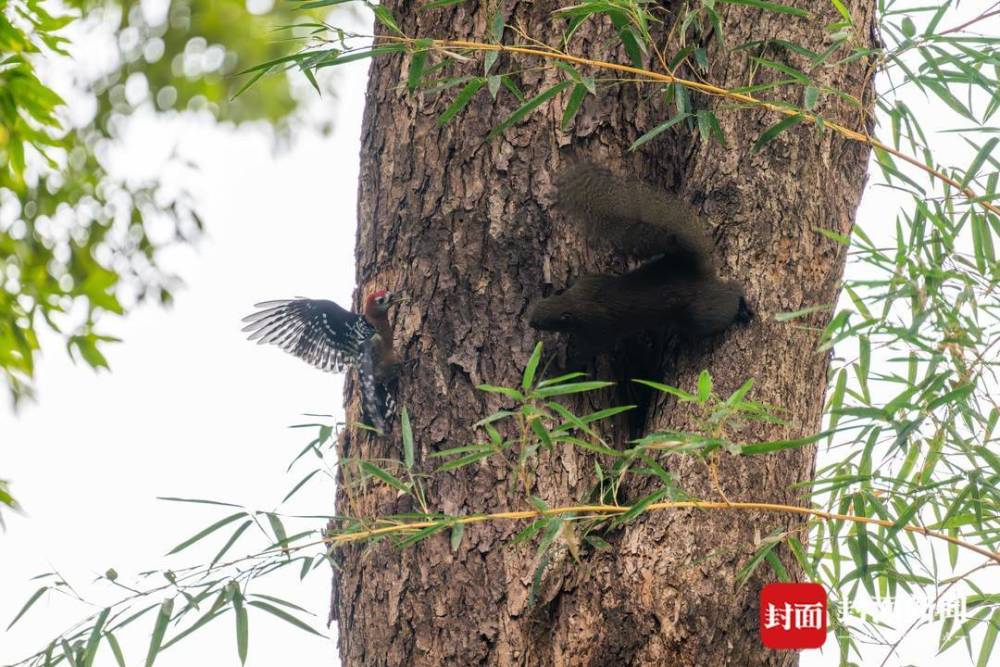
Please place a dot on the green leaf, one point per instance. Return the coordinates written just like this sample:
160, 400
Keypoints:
528, 107
542, 433
116, 649
159, 629
751, 565
461, 100
27, 605
658, 130
417, 63
777, 566
771, 7
506, 391
384, 16
457, 530
195, 500
438, 3
989, 640
285, 616
640, 506
280, 536
795, 314
90, 651
839, 6
69, 652
407, 432
242, 626
667, 389
770, 133
977, 162
953, 396
302, 482
778, 445
571, 388
377, 472
909, 30
206, 532
704, 386
528, 377
809, 97
463, 461
561, 379
576, 98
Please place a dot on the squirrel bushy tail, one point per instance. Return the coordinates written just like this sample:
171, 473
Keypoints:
679, 289
637, 220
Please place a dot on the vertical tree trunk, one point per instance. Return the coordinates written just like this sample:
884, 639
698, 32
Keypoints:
466, 228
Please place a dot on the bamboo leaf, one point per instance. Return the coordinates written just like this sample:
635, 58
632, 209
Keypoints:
418, 62
242, 626
407, 431
770, 133
27, 605
377, 472
159, 629
658, 130
528, 377
528, 107
206, 532
116, 649
90, 650
989, 640
771, 7
461, 100
576, 98
285, 616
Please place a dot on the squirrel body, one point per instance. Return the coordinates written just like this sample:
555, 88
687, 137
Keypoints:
602, 308
678, 287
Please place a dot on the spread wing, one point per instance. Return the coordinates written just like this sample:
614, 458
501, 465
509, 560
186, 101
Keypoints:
315, 330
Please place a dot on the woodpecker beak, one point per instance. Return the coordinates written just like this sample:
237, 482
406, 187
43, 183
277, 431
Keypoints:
398, 298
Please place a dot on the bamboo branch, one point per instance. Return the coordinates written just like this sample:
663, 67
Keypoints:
708, 89
615, 510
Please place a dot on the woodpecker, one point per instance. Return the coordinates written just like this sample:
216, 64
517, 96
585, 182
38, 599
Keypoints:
334, 339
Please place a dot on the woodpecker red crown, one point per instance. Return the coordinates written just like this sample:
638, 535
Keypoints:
374, 295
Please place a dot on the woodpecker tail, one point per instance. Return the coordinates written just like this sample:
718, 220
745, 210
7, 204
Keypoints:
378, 401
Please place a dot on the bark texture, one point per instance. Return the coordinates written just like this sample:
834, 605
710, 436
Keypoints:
466, 229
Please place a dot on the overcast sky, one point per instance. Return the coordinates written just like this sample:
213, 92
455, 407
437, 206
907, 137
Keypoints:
191, 408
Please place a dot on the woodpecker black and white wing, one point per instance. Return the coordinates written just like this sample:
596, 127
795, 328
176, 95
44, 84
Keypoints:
317, 331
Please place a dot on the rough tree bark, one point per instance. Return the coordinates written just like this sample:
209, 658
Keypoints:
466, 228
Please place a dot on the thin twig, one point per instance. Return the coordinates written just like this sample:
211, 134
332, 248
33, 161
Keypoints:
708, 89
612, 510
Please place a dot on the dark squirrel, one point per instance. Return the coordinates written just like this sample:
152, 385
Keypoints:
679, 289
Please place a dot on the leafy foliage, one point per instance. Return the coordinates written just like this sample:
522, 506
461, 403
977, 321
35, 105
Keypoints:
76, 240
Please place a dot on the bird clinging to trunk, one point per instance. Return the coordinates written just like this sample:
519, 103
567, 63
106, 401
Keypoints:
334, 339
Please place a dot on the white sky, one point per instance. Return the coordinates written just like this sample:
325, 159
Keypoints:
191, 409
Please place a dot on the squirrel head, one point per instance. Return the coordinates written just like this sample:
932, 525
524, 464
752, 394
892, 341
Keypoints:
575, 308
554, 313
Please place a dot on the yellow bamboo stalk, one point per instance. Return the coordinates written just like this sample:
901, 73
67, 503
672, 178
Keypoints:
707, 88
613, 510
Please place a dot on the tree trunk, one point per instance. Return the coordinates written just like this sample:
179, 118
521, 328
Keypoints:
465, 227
